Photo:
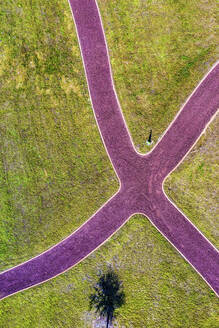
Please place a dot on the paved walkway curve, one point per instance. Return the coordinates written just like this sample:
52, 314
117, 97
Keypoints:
141, 176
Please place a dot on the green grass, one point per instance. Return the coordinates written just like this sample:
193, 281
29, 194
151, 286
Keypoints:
159, 52
162, 290
55, 173
194, 186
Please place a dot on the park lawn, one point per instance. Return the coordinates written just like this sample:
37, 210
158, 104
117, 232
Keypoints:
162, 290
159, 51
194, 185
55, 172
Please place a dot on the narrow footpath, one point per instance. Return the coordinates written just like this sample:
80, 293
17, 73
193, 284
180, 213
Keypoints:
141, 176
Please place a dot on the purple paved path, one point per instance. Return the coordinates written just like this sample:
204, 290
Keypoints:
141, 176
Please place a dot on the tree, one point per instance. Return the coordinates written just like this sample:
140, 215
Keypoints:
108, 295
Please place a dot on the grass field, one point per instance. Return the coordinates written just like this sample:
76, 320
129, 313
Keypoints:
54, 169
55, 173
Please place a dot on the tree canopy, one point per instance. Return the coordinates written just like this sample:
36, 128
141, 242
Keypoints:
108, 295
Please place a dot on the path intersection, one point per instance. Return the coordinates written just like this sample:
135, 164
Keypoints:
141, 176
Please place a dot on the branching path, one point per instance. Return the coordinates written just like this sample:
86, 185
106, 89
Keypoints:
141, 177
